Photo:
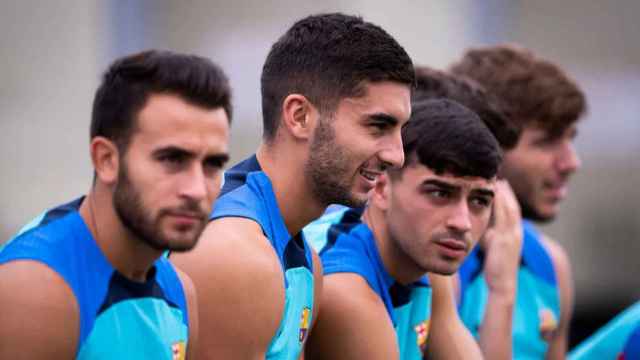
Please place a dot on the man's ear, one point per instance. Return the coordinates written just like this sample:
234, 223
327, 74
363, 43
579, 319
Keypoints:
381, 192
299, 116
105, 159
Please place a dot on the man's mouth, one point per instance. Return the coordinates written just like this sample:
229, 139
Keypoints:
369, 175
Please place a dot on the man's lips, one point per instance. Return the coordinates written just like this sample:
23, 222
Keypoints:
452, 248
369, 174
187, 218
557, 190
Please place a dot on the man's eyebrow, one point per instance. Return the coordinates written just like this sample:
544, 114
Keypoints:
441, 184
172, 149
484, 192
383, 118
221, 158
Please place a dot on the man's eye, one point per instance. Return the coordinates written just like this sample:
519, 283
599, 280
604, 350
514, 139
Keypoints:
173, 159
214, 163
481, 202
438, 193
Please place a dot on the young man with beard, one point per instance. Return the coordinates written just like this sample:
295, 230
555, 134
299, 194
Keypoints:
424, 217
87, 279
335, 93
547, 104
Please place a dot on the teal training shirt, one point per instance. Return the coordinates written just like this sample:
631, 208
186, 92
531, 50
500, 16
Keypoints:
248, 193
537, 308
618, 340
346, 244
119, 318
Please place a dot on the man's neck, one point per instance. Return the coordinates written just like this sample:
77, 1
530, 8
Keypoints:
393, 259
296, 202
127, 254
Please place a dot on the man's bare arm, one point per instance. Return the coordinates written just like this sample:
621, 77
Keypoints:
502, 259
192, 308
559, 342
39, 314
240, 289
448, 337
352, 324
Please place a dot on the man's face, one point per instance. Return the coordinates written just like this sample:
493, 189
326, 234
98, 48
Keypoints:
353, 147
169, 175
435, 220
538, 170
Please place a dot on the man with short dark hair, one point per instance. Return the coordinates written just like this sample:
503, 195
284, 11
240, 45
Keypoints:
335, 93
87, 279
546, 103
424, 217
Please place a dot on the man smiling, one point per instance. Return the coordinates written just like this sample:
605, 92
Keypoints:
335, 93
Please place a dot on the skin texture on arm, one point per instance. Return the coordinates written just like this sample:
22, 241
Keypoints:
503, 245
240, 289
558, 343
448, 337
352, 324
40, 317
192, 308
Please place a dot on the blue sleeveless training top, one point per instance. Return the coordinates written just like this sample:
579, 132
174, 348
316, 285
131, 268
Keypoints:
619, 339
247, 193
119, 318
346, 244
537, 308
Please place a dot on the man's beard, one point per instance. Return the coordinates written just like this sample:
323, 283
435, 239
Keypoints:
139, 220
328, 168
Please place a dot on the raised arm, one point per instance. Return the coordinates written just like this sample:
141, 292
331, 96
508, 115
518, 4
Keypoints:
503, 246
39, 314
352, 323
240, 289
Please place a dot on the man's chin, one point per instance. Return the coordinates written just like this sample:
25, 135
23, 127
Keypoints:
539, 215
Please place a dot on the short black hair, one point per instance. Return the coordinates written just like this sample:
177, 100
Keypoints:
433, 84
129, 81
447, 137
328, 57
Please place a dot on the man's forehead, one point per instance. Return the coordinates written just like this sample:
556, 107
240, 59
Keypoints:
427, 175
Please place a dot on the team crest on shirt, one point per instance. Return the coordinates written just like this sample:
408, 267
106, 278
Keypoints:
422, 333
178, 350
304, 324
548, 324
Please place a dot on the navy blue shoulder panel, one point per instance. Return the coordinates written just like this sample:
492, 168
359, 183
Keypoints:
237, 175
534, 255
349, 220
122, 289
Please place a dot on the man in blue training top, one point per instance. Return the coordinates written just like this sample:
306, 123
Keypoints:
335, 93
424, 217
547, 104
87, 279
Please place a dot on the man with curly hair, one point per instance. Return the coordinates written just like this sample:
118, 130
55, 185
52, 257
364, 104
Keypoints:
542, 99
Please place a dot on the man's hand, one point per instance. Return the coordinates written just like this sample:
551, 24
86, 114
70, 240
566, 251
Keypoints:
502, 243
